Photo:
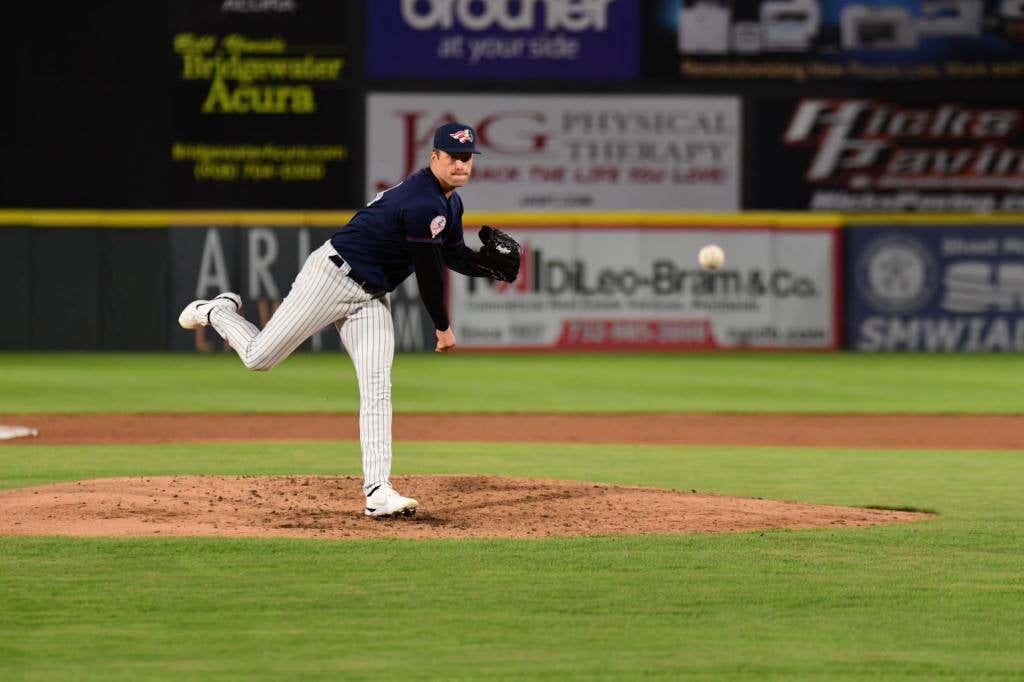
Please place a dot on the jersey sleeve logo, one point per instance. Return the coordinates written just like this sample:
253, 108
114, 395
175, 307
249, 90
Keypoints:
462, 136
436, 225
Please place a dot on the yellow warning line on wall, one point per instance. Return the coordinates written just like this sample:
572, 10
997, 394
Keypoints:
149, 219
138, 219
144, 219
958, 219
655, 219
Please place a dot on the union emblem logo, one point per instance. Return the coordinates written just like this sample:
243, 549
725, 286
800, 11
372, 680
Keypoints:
436, 225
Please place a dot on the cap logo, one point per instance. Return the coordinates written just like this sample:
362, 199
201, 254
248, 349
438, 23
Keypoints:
462, 136
436, 225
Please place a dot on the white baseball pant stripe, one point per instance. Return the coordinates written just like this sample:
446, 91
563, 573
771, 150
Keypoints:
320, 295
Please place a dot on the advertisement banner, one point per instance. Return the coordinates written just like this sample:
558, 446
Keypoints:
446, 39
936, 289
550, 151
259, 264
260, 113
835, 40
887, 156
641, 289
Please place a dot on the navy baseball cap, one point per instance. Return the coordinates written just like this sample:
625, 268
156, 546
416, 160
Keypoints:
455, 137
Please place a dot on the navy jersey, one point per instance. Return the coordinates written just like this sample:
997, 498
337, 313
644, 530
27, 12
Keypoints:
376, 242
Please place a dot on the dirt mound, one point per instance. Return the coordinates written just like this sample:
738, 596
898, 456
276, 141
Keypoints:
450, 507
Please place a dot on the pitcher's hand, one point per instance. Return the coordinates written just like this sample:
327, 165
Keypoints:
445, 340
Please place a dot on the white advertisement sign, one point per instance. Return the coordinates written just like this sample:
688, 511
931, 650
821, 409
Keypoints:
643, 289
569, 152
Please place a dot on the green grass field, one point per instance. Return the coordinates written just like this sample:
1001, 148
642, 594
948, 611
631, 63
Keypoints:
325, 382
942, 599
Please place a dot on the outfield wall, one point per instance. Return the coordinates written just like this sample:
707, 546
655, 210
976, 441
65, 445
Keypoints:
116, 280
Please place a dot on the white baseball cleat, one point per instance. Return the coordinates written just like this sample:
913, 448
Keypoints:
197, 313
385, 501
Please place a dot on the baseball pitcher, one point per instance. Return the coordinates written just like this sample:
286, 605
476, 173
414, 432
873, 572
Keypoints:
415, 226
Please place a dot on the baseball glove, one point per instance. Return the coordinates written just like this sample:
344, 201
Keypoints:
499, 255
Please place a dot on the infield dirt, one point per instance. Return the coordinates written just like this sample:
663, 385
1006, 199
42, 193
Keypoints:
452, 507
976, 432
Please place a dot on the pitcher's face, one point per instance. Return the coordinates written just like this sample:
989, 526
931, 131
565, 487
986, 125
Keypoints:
452, 169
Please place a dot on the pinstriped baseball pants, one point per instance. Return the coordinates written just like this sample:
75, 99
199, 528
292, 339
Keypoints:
322, 294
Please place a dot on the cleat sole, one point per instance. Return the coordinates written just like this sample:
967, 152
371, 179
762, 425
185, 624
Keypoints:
408, 511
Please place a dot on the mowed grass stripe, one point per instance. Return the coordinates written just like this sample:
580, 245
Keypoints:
836, 383
939, 599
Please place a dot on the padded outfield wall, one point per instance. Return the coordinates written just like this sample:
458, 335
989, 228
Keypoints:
116, 280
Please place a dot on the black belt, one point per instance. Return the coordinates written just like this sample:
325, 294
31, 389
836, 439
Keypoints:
366, 286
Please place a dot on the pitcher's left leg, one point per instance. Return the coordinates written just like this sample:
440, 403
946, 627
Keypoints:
368, 335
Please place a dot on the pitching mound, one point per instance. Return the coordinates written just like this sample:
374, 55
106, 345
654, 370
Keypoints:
450, 507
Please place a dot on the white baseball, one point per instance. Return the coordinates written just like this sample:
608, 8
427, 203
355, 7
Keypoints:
711, 257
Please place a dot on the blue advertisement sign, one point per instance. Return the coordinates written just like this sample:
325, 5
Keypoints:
935, 289
873, 40
548, 39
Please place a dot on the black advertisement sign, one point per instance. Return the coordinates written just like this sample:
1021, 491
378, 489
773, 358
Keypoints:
259, 264
260, 113
874, 155
836, 40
